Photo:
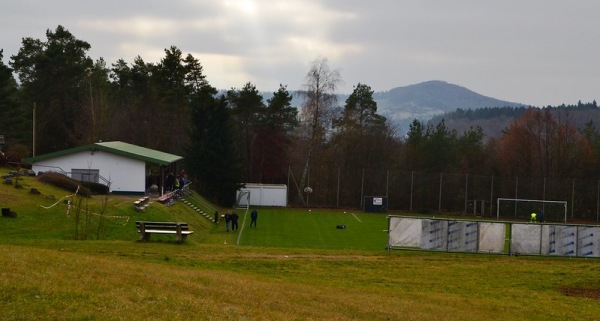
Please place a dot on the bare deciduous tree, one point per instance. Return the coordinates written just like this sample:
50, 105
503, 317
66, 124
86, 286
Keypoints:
319, 102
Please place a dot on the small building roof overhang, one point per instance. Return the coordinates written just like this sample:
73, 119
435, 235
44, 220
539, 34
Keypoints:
119, 148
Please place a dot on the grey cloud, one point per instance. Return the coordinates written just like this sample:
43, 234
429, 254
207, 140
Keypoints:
537, 51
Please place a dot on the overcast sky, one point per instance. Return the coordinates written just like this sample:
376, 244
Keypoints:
537, 52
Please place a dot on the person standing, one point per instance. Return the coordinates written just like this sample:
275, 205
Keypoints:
170, 182
227, 220
216, 216
533, 218
181, 182
253, 217
234, 221
176, 184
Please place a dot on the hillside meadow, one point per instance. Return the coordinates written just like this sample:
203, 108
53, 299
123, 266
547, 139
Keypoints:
295, 265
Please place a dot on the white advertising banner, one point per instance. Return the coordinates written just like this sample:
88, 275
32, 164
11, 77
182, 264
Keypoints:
434, 234
462, 236
588, 241
526, 239
405, 232
491, 237
562, 240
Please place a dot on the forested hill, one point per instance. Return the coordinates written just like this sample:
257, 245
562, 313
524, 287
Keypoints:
422, 101
425, 100
494, 120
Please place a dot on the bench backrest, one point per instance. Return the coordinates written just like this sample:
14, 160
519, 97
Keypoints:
171, 226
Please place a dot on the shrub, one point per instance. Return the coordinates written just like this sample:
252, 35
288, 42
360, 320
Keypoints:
64, 182
96, 188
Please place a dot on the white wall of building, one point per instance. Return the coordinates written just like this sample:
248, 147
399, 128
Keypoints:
266, 194
125, 174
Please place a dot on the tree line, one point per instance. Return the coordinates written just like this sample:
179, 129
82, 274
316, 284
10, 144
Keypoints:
233, 137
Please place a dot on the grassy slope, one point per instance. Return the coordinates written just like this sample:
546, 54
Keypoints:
46, 274
47, 216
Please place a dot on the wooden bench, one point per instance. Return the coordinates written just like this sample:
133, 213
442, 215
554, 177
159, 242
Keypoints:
180, 229
166, 197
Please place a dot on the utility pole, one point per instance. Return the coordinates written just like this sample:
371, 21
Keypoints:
33, 134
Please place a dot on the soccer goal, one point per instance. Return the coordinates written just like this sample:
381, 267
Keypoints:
243, 199
547, 211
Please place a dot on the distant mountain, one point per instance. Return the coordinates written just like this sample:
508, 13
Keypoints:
425, 100
461, 108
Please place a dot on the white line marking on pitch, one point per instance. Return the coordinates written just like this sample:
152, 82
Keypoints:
356, 217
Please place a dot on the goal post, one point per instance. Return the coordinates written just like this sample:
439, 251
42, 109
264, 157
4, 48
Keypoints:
551, 211
243, 199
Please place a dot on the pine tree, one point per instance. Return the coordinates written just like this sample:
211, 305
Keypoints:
53, 75
14, 124
273, 139
246, 108
212, 159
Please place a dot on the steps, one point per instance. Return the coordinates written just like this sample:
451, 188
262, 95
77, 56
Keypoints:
197, 209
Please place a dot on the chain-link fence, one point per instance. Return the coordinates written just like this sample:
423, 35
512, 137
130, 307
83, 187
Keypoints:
423, 192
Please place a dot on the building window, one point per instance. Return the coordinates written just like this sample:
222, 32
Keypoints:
86, 175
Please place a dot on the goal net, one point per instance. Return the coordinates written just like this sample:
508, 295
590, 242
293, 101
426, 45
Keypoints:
243, 199
547, 211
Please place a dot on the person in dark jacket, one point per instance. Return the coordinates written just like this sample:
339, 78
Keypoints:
170, 182
234, 221
253, 217
227, 220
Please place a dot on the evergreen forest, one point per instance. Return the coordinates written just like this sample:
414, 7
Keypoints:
236, 136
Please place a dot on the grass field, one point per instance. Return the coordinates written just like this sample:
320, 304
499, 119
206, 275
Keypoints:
295, 265
317, 228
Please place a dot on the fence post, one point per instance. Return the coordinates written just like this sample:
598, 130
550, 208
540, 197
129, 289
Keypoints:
412, 182
440, 199
492, 196
572, 200
362, 190
516, 194
467, 193
387, 187
307, 184
337, 198
544, 196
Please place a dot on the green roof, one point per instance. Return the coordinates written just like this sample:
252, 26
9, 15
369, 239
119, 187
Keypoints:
119, 148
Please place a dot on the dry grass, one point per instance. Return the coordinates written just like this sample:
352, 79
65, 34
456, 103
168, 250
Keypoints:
137, 281
46, 275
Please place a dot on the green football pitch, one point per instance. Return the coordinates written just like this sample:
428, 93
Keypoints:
315, 228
